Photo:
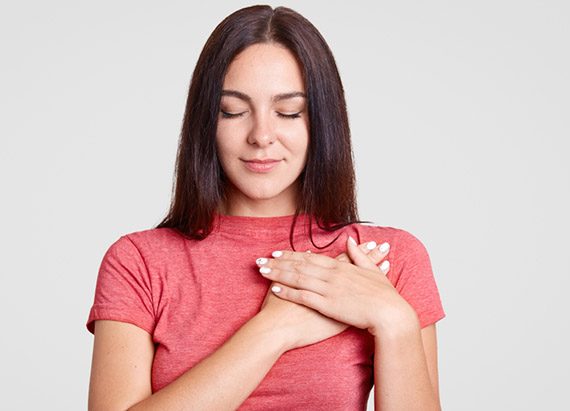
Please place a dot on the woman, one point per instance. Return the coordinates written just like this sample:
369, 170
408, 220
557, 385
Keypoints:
221, 306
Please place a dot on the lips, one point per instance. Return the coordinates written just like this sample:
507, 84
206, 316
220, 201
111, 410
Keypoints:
261, 165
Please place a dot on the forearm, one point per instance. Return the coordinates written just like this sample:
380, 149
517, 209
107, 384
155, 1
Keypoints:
227, 377
401, 375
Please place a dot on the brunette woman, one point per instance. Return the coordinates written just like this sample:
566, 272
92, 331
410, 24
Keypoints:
221, 306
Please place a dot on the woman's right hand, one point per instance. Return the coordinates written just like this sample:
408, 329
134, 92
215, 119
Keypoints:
301, 325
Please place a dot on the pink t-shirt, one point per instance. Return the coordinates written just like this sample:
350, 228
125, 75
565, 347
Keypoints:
191, 296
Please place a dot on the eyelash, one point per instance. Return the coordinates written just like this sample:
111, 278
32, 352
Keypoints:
287, 116
291, 116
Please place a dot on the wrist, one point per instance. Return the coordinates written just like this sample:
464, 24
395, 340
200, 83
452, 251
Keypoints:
275, 334
399, 322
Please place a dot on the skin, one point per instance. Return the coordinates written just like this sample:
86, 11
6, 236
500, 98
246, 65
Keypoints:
313, 304
264, 124
405, 361
123, 354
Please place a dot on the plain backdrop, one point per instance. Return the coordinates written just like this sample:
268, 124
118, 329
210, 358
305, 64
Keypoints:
460, 121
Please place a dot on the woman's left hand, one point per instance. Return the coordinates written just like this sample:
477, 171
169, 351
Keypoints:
356, 294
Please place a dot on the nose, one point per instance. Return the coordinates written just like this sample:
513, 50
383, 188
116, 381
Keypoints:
262, 133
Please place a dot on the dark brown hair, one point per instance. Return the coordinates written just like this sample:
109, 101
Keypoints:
327, 183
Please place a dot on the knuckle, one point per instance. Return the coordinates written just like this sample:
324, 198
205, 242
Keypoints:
339, 268
307, 256
303, 297
375, 256
342, 257
298, 265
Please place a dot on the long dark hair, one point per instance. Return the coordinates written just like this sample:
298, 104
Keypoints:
327, 183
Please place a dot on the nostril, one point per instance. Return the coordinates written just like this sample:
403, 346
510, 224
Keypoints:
261, 140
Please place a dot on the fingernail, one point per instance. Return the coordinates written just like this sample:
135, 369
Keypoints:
385, 266
308, 251
384, 247
371, 245
261, 261
276, 289
265, 270
277, 254
351, 240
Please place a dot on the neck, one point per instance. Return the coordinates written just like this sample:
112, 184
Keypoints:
238, 205
261, 209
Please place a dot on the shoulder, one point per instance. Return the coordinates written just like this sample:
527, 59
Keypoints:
410, 270
147, 243
145, 247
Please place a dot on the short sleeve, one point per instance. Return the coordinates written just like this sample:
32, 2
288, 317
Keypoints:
123, 290
413, 278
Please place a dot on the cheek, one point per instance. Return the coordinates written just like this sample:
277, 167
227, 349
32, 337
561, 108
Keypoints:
298, 144
231, 135
303, 142
224, 144
294, 134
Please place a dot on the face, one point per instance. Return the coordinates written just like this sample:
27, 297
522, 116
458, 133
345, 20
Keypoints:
263, 131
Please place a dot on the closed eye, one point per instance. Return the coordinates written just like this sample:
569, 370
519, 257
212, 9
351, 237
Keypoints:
225, 114
231, 115
290, 116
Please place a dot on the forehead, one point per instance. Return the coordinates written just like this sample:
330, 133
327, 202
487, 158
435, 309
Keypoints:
265, 68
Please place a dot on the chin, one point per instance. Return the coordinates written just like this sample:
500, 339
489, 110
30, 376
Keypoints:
262, 194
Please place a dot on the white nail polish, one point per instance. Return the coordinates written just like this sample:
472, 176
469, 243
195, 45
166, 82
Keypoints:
277, 254
371, 245
261, 261
385, 266
276, 289
265, 270
351, 240
384, 247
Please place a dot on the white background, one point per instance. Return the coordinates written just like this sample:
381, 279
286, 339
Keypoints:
460, 120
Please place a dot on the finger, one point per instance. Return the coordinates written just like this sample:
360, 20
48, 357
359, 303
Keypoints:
299, 266
314, 258
357, 256
304, 297
366, 248
385, 266
379, 253
294, 279
343, 257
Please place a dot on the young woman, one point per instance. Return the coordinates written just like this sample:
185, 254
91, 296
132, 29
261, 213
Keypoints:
261, 289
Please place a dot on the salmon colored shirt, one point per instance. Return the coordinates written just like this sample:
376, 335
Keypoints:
191, 296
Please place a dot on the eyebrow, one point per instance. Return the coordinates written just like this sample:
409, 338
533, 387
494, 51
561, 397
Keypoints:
277, 97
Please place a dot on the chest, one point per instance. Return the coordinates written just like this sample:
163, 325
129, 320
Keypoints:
205, 299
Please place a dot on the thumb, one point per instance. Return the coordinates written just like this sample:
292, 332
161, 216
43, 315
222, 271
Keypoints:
357, 255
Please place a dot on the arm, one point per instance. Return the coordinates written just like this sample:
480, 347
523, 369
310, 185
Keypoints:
405, 356
122, 358
123, 355
405, 369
